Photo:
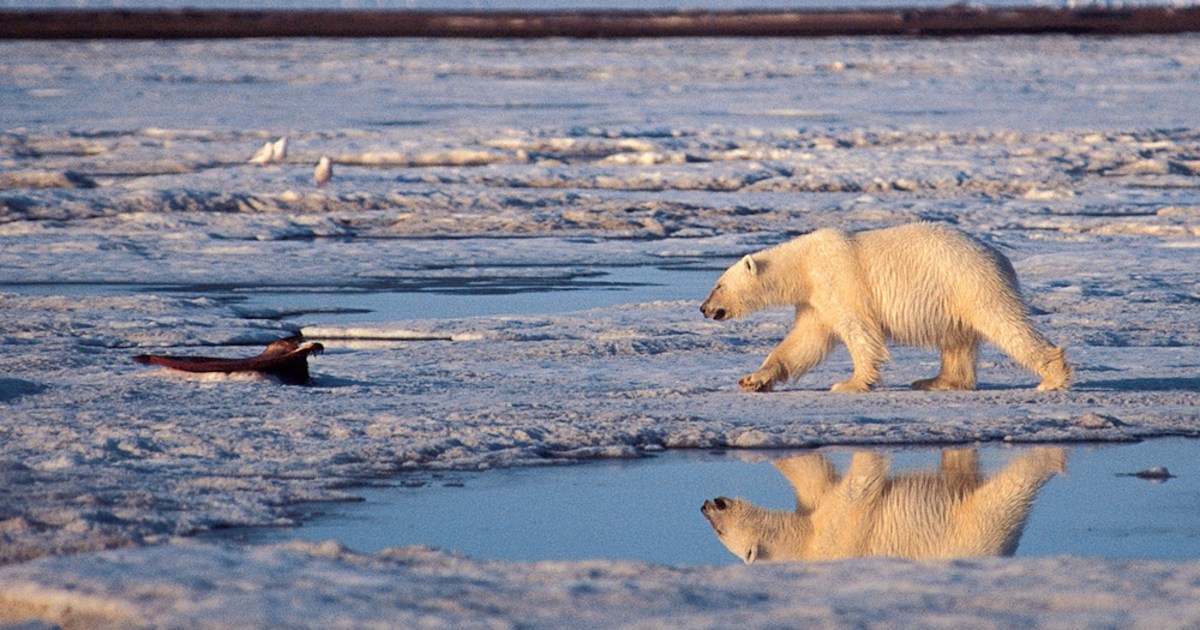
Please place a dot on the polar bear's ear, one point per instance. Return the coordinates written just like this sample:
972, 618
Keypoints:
750, 264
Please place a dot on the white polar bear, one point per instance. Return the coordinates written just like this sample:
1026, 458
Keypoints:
923, 284
950, 513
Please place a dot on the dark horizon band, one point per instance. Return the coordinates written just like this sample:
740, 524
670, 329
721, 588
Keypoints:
956, 20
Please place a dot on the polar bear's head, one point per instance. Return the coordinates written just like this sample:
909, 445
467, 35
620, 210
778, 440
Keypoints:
737, 291
734, 521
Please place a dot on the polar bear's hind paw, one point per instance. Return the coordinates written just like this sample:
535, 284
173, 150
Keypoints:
941, 385
851, 387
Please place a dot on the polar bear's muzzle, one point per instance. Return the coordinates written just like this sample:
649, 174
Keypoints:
714, 312
710, 508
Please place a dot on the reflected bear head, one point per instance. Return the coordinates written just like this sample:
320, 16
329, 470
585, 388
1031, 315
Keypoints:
729, 519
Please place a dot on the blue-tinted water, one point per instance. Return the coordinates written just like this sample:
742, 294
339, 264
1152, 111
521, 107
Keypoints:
504, 291
649, 509
550, 292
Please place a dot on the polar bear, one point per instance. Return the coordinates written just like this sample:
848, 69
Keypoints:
948, 513
922, 284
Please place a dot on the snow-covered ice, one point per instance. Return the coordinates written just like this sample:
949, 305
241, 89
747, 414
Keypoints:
131, 222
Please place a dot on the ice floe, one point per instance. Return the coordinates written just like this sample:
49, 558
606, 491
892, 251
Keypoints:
129, 230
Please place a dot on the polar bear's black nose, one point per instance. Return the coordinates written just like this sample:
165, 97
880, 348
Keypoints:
708, 310
716, 313
721, 503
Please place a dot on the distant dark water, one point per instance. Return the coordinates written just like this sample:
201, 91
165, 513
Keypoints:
543, 5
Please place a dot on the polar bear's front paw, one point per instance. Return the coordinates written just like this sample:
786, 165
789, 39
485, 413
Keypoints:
757, 382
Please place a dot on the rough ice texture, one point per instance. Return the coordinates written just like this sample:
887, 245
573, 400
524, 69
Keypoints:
323, 586
126, 163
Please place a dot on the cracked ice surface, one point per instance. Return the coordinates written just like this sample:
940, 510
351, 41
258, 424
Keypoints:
131, 223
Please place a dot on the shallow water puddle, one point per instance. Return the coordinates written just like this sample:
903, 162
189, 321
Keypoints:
523, 292
504, 291
649, 509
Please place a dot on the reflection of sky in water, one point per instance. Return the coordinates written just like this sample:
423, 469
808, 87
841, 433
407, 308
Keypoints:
528, 291
650, 509
1098, 512
495, 296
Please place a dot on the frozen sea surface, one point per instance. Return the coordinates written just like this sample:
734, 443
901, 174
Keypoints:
130, 222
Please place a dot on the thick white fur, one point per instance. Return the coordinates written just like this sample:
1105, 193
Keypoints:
923, 284
948, 513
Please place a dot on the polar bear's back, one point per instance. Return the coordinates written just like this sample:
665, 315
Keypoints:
931, 282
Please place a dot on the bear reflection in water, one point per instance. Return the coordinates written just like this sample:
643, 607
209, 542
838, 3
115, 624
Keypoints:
950, 512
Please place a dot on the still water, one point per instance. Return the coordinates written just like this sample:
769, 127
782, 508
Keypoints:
649, 509
512, 291
528, 290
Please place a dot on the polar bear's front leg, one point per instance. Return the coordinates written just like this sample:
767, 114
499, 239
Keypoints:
805, 346
762, 380
867, 352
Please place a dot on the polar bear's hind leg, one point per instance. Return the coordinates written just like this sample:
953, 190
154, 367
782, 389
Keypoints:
1054, 370
958, 367
1017, 337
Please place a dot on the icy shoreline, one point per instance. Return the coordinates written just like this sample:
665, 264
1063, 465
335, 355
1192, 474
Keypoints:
499, 157
303, 585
